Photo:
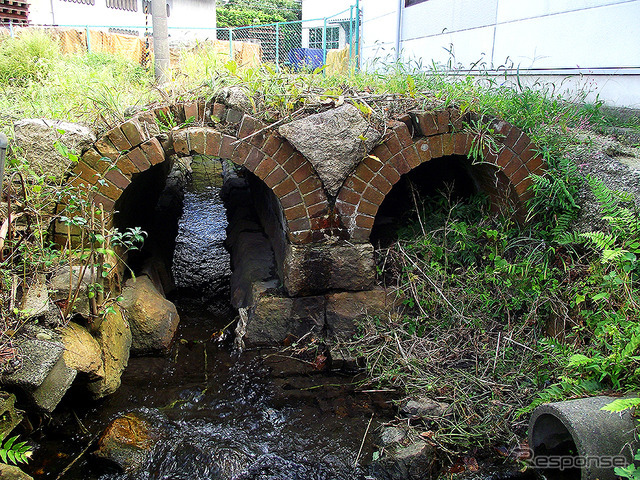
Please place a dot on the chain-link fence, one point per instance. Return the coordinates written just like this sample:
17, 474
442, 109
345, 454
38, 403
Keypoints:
307, 44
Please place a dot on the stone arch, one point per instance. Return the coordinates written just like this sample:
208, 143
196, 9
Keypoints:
419, 137
138, 144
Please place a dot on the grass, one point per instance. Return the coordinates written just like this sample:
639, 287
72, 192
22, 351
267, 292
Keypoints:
498, 317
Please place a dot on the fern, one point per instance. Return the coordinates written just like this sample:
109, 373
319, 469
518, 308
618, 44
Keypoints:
565, 389
12, 452
621, 404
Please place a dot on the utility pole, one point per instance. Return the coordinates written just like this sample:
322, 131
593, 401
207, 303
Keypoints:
160, 41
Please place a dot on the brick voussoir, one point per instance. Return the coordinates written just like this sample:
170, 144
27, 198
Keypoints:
213, 141
153, 151
118, 139
135, 132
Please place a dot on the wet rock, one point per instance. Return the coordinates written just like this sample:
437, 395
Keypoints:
126, 442
332, 141
114, 338
43, 375
345, 361
36, 138
346, 309
415, 462
234, 97
392, 435
272, 319
35, 301
82, 351
313, 269
11, 472
10, 416
156, 269
153, 319
252, 261
424, 408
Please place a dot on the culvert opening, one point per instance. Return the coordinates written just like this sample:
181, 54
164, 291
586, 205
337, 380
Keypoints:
554, 449
449, 178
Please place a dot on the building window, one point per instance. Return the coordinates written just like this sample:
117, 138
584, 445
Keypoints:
333, 37
84, 2
408, 3
129, 5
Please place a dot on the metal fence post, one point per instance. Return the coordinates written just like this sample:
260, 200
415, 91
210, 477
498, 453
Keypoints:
231, 58
277, 47
11, 29
86, 29
357, 58
3, 150
350, 37
324, 42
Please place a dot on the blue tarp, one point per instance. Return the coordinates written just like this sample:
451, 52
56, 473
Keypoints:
306, 58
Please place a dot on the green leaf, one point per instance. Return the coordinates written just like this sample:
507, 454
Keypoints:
621, 404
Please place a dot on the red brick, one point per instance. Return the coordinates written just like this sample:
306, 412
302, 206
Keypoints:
406, 119
258, 139
213, 141
460, 143
435, 145
304, 172
153, 151
355, 183
427, 123
364, 221
404, 136
118, 139
522, 143
373, 195
95, 160
504, 157
291, 200
318, 210
299, 224
149, 121
107, 149
139, 159
266, 167
276, 176
345, 209
447, 144
201, 109
519, 175
180, 142
109, 190
382, 152
360, 235
197, 140
134, 131
126, 166
271, 145
442, 119
310, 184
381, 184
315, 197
534, 164
400, 163
227, 147
106, 203
347, 195
364, 173
367, 208
501, 127
423, 149
393, 145
456, 119
528, 153
299, 211
284, 152
253, 159
372, 163
390, 173
249, 125
191, 111
512, 136
218, 112
86, 173
512, 166
284, 187
294, 162
241, 152
117, 178
523, 186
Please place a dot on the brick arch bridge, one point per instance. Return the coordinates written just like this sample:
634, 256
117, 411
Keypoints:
311, 219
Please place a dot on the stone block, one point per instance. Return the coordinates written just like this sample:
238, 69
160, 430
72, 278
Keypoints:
82, 351
10, 416
346, 309
316, 268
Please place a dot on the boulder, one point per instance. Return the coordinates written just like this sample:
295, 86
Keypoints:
392, 435
234, 97
11, 472
126, 442
82, 351
346, 309
273, 319
66, 278
424, 408
153, 319
43, 375
334, 141
36, 138
10, 416
35, 301
316, 268
415, 462
114, 338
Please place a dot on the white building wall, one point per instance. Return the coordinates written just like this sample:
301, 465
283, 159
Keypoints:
314, 11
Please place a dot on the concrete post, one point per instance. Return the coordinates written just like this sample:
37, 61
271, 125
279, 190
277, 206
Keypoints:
160, 41
3, 150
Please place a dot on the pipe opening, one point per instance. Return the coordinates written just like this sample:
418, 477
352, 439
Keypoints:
552, 444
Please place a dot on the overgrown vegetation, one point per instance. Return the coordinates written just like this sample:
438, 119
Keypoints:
499, 317
239, 13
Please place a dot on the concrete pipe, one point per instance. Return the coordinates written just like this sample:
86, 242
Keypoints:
577, 440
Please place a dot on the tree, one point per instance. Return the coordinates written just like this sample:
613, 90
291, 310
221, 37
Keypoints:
239, 13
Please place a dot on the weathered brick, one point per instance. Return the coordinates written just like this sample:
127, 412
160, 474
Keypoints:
295, 161
249, 125
360, 234
266, 166
197, 140
460, 143
382, 152
86, 173
119, 140
346, 195
150, 123
390, 173
271, 145
364, 173
529, 153
364, 221
505, 156
355, 183
372, 195
139, 159
180, 142
134, 131
345, 209
284, 152
291, 200
107, 149
427, 123
512, 166
315, 197
523, 186
95, 160
512, 136
153, 151
201, 109
501, 127
241, 152
435, 145
117, 178
522, 143
284, 187
276, 176
392, 142
442, 119
456, 119
218, 112
304, 172
299, 211
126, 166
447, 144
299, 224
106, 203
519, 175
226, 147
373, 163
400, 163
310, 184
253, 159
191, 111
109, 190
381, 183
318, 210
423, 149
404, 136
535, 164
213, 141
368, 208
